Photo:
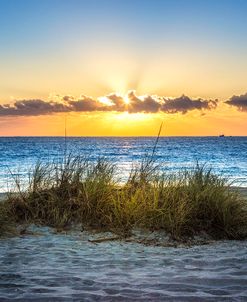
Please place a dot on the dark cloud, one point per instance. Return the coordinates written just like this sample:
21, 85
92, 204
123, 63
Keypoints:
147, 104
31, 108
239, 101
118, 103
40, 107
135, 104
184, 104
67, 98
85, 104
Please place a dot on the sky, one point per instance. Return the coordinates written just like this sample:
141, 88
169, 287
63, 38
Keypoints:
122, 67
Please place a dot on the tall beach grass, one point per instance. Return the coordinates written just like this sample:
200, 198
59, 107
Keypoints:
78, 191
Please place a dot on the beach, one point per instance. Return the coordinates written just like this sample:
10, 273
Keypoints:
77, 265
40, 263
64, 267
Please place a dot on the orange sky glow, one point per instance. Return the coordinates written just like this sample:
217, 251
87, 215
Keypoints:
120, 68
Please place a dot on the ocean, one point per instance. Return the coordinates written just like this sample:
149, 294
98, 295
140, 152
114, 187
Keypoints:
227, 156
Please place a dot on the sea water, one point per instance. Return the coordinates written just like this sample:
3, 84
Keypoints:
227, 156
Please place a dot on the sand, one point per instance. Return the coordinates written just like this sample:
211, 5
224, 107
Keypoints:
68, 267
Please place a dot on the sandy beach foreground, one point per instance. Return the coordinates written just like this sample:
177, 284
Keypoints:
73, 266
70, 268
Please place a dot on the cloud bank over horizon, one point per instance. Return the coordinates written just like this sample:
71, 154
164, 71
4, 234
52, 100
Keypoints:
131, 103
113, 102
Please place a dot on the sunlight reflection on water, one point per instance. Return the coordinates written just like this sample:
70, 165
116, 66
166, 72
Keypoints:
227, 156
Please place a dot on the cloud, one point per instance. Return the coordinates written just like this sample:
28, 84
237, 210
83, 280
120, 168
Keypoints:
32, 107
147, 104
184, 104
239, 101
36, 107
85, 104
112, 102
66, 98
117, 102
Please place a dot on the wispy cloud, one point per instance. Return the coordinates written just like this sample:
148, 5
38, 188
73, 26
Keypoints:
239, 101
113, 102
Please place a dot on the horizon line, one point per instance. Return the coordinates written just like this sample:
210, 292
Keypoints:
118, 136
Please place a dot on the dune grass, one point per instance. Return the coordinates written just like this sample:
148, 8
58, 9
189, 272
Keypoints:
78, 191
7, 222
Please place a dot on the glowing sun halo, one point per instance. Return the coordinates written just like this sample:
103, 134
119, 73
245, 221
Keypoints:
126, 100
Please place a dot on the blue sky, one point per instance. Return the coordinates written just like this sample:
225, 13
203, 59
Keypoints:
34, 26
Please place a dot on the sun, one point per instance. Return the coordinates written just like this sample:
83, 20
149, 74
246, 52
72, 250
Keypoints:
126, 100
